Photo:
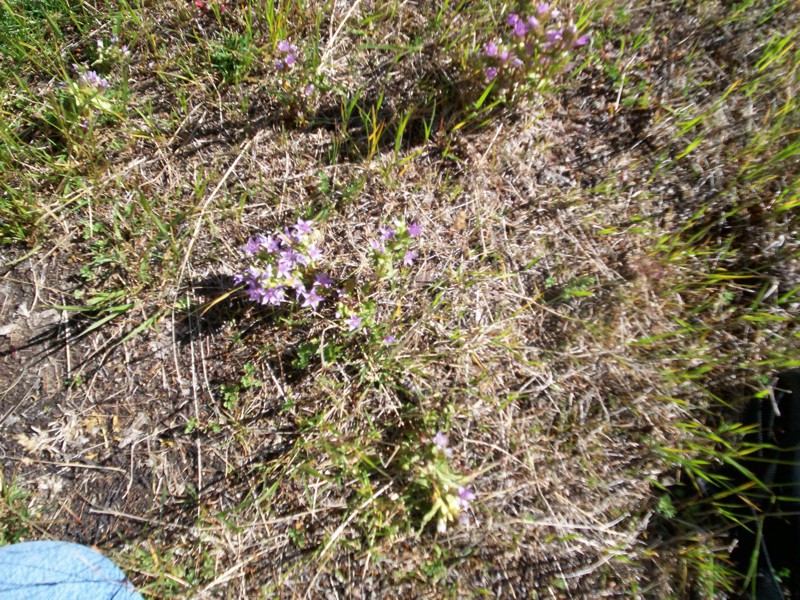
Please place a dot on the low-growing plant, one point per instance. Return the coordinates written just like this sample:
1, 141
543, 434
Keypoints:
233, 56
434, 484
297, 78
531, 50
109, 55
289, 269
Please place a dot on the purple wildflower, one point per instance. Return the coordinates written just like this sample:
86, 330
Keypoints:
303, 227
254, 293
312, 299
408, 257
414, 229
542, 8
465, 496
440, 440
516, 63
284, 46
252, 246
554, 37
313, 253
512, 19
291, 257
285, 268
533, 22
387, 233
291, 59
491, 73
272, 244
354, 322
309, 89
92, 79
323, 280
252, 274
292, 235
377, 246
280, 65
520, 29
581, 41
389, 340
490, 49
503, 56
273, 296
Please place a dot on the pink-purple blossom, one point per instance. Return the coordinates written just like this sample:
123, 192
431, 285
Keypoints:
353, 323
581, 41
313, 253
414, 230
303, 227
323, 279
273, 296
92, 79
252, 246
408, 257
312, 299
465, 496
440, 440
387, 233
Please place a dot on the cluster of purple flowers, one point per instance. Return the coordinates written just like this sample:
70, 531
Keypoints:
288, 56
91, 80
288, 268
536, 40
395, 241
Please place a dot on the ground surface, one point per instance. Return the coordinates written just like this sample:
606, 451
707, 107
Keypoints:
605, 270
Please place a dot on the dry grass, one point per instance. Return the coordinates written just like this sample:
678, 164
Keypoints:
583, 292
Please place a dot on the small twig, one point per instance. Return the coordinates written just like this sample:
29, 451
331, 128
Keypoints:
71, 465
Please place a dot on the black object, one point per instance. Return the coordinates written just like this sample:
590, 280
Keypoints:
771, 536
